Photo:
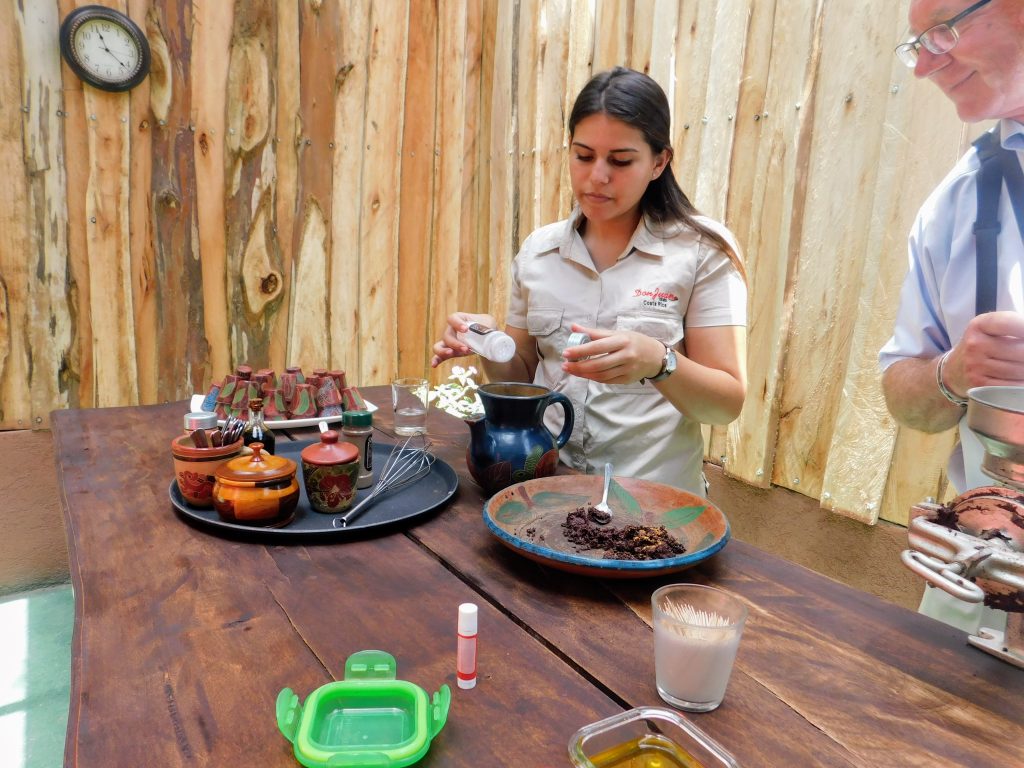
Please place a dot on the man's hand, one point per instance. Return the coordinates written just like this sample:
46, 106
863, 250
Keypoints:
991, 353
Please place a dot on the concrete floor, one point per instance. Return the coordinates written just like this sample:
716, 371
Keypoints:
35, 676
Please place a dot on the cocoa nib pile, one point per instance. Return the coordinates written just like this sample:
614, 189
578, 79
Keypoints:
631, 542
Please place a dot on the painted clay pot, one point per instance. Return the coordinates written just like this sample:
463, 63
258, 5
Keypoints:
195, 469
259, 489
330, 471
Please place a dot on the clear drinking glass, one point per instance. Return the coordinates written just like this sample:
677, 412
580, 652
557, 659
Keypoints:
409, 398
696, 635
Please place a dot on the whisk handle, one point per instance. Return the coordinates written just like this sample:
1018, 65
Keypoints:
343, 520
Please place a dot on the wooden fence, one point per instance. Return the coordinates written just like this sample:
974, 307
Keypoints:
319, 182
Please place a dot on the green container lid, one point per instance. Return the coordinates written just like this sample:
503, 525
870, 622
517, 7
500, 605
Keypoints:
357, 419
368, 719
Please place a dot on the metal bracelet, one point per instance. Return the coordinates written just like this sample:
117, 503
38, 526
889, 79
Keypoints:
946, 391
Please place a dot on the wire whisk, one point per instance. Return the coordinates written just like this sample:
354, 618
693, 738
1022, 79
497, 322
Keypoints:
404, 465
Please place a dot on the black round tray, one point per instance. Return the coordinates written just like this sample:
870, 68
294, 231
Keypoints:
389, 510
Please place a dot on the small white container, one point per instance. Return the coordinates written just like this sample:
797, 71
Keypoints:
491, 343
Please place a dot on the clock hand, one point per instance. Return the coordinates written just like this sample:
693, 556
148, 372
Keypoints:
110, 52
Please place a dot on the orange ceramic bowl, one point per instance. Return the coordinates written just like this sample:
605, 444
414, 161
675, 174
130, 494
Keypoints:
259, 489
195, 469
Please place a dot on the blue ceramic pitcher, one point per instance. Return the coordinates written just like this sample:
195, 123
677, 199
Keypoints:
510, 443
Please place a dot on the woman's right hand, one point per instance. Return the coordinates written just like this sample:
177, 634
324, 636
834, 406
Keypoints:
449, 346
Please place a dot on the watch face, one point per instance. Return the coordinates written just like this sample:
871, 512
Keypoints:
105, 48
106, 51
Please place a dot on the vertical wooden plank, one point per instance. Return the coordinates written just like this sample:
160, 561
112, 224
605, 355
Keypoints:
348, 173
48, 331
141, 246
863, 438
725, 74
494, 267
695, 37
449, 162
255, 280
15, 213
852, 90
175, 284
211, 45
81, 381
550, 125
285, 160
473, 291
613, 34
326, 277
526, 94
502, 238
382, 142
417, 197
108, 246
655, 26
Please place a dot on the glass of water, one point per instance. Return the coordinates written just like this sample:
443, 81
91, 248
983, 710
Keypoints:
409, 398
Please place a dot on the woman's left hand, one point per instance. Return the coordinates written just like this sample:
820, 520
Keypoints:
710, 381
614, 357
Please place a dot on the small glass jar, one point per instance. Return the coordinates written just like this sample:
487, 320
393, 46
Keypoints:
357, 427
199, 420
652, 735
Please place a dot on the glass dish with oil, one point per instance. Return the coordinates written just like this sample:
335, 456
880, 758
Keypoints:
646, 737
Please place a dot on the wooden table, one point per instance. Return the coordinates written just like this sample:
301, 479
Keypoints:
183, 639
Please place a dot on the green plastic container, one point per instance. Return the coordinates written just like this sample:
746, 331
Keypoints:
368, 719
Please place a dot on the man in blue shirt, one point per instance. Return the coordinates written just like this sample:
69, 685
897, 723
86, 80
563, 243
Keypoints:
941, 346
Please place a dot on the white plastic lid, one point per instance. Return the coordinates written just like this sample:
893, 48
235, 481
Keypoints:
467, 619
200, 420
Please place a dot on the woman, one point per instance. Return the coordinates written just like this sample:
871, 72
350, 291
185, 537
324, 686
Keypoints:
657, 287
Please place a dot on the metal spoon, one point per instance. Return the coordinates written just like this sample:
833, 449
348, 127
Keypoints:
602, 513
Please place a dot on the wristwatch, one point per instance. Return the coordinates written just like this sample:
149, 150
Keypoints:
668, 366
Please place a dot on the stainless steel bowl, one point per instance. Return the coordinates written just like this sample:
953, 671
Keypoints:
996, 416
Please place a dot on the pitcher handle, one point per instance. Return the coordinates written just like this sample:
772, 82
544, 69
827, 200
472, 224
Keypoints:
570, 416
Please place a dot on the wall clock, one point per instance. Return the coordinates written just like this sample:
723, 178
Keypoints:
104, 48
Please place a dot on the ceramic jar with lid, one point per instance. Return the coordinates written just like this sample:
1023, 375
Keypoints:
330, 471
258, 489
195, 468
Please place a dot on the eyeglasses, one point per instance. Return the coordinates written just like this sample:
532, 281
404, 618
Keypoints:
941, 38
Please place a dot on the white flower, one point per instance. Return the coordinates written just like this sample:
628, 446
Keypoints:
458, 398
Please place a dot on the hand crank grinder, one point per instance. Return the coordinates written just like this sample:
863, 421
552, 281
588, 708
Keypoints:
973, 547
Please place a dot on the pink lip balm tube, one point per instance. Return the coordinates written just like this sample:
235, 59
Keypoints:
465, 658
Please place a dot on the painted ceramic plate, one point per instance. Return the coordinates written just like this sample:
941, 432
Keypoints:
527, 517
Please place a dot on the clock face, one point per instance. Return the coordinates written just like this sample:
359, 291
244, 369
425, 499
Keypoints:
104, 48
106, 51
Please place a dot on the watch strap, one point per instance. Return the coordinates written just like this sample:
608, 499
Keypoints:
667, 366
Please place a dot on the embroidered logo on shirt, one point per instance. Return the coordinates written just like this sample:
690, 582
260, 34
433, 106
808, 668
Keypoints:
654, 298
